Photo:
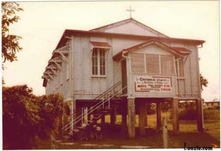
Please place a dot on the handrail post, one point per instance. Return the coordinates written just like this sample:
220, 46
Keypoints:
101, 103
82, 117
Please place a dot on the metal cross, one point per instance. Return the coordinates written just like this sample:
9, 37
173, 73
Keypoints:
130, 10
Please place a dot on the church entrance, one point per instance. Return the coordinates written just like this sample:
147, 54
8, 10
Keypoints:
124, 75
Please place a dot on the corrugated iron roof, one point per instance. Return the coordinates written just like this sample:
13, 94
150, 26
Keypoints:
69, 32
100, 44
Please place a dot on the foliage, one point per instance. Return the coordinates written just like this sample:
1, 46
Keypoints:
203, 81
211, 114
10, 43
151, 108
165, 106
19, 117
28, 118
51, 109
189, 112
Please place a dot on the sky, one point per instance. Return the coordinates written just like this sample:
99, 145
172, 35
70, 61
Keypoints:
42, 24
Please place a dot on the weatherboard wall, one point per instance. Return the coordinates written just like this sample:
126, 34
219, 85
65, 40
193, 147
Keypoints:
82, 85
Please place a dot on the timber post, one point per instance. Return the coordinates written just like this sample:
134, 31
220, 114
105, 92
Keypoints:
142, 116
103, 119
199, 115
158, 115
175, 115
124, 120
124, 117
113, 116
72, 116
131, 117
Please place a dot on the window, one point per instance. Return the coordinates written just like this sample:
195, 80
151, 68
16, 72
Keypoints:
152, 64
137, 61
179, 67
98, 62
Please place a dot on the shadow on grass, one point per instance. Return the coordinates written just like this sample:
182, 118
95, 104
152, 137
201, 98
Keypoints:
115, 138
192, 139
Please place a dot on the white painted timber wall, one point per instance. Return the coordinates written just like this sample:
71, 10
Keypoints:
85, 86
60, 84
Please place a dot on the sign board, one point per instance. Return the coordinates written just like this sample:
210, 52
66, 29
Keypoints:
153, 84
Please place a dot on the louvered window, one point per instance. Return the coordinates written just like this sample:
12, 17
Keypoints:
137, 61
152, 64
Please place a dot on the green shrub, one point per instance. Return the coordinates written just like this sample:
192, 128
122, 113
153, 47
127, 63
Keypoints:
188, 111
211, 114
28, 118
190, 114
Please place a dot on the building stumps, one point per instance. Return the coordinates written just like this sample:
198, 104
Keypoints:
131, 117
199, 108
158, 112
103, 119
175, 115
113, 116
142, 116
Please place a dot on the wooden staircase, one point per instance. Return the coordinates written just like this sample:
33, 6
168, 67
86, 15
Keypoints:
101, 106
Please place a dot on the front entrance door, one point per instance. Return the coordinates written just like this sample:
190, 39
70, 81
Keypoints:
124, 75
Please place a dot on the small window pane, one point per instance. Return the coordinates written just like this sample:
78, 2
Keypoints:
94, 62
102, 62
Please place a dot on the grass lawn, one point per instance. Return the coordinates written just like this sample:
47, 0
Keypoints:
115, 139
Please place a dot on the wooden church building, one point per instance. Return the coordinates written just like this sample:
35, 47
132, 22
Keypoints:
121, 67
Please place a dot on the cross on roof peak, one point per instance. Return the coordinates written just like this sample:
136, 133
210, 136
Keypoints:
130, 10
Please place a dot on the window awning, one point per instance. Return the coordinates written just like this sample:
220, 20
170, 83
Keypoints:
182, 49
96, 44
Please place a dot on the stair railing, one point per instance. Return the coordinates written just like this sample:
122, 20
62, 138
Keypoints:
98, 98
95, 107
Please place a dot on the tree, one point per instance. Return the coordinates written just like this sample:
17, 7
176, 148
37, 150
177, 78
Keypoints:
203, 81
10, 42
29, 119
20, 117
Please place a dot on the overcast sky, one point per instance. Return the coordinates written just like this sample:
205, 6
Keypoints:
42, 25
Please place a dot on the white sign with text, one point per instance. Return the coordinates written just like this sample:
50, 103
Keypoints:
153, 84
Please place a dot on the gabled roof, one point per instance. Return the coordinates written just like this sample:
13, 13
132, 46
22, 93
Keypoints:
144, 44
119, 23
